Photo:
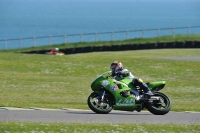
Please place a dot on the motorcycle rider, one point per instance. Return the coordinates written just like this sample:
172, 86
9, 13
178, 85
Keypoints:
118, 71
54, 51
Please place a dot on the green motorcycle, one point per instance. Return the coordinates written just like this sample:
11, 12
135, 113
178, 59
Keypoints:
109, 93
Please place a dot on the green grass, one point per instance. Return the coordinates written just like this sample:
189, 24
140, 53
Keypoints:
45, 81
12, 127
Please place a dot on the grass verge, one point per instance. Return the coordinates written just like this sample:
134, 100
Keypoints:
14, 127
45, 81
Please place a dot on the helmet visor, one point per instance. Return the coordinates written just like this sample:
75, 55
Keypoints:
113, 66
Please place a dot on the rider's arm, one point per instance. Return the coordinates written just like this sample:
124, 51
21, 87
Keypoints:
122, 73
125, 73
113, 74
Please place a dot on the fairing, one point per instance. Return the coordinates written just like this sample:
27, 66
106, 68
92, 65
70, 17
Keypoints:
115, 88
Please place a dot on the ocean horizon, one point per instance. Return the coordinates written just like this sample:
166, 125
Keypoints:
35, 18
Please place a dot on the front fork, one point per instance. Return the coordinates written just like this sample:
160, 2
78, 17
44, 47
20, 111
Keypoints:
101, 94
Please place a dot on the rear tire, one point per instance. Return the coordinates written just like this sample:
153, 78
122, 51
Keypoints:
161, 107
100, 107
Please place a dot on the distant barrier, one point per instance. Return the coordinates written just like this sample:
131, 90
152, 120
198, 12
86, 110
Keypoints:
95, 37
164, 45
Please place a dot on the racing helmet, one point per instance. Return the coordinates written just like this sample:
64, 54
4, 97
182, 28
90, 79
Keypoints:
116, 66
56, 49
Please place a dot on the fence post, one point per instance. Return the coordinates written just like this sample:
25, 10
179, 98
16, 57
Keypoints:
158, 32
49, 40
34, 41
80, 37
20, 43
127, 35
173, 32
189, 31
143, 33
65, 39
112, 36
96, 37
5, 44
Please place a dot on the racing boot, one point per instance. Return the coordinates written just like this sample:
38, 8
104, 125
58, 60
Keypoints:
146, 90
142, 85
148, 93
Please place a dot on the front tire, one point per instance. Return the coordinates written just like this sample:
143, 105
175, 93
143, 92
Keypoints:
161, 107
98, 106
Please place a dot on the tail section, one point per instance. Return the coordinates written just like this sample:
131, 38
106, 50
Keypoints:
156, 86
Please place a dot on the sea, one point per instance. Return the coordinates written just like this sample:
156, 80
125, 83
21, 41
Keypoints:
25, 23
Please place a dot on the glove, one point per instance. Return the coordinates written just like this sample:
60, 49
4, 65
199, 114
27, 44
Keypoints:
125, 74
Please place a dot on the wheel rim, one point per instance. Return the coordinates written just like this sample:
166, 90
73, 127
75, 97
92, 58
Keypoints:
162, 104
100, 105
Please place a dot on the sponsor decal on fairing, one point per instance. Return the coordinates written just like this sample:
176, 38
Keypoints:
114, 88
105, 83
126, 102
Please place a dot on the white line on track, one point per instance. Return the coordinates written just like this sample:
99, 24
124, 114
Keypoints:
70, 109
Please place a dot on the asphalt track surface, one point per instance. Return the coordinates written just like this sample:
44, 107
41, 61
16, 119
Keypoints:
87, 116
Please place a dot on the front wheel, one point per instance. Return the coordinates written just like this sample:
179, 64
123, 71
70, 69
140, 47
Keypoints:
161, 106
98, 106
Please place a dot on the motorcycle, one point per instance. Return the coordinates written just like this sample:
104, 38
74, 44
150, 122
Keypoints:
111, 94
56, 53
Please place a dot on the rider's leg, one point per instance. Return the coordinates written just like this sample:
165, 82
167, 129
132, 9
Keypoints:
142, 85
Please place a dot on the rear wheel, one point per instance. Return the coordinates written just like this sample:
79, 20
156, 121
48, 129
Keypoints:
161, 106
98, 106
